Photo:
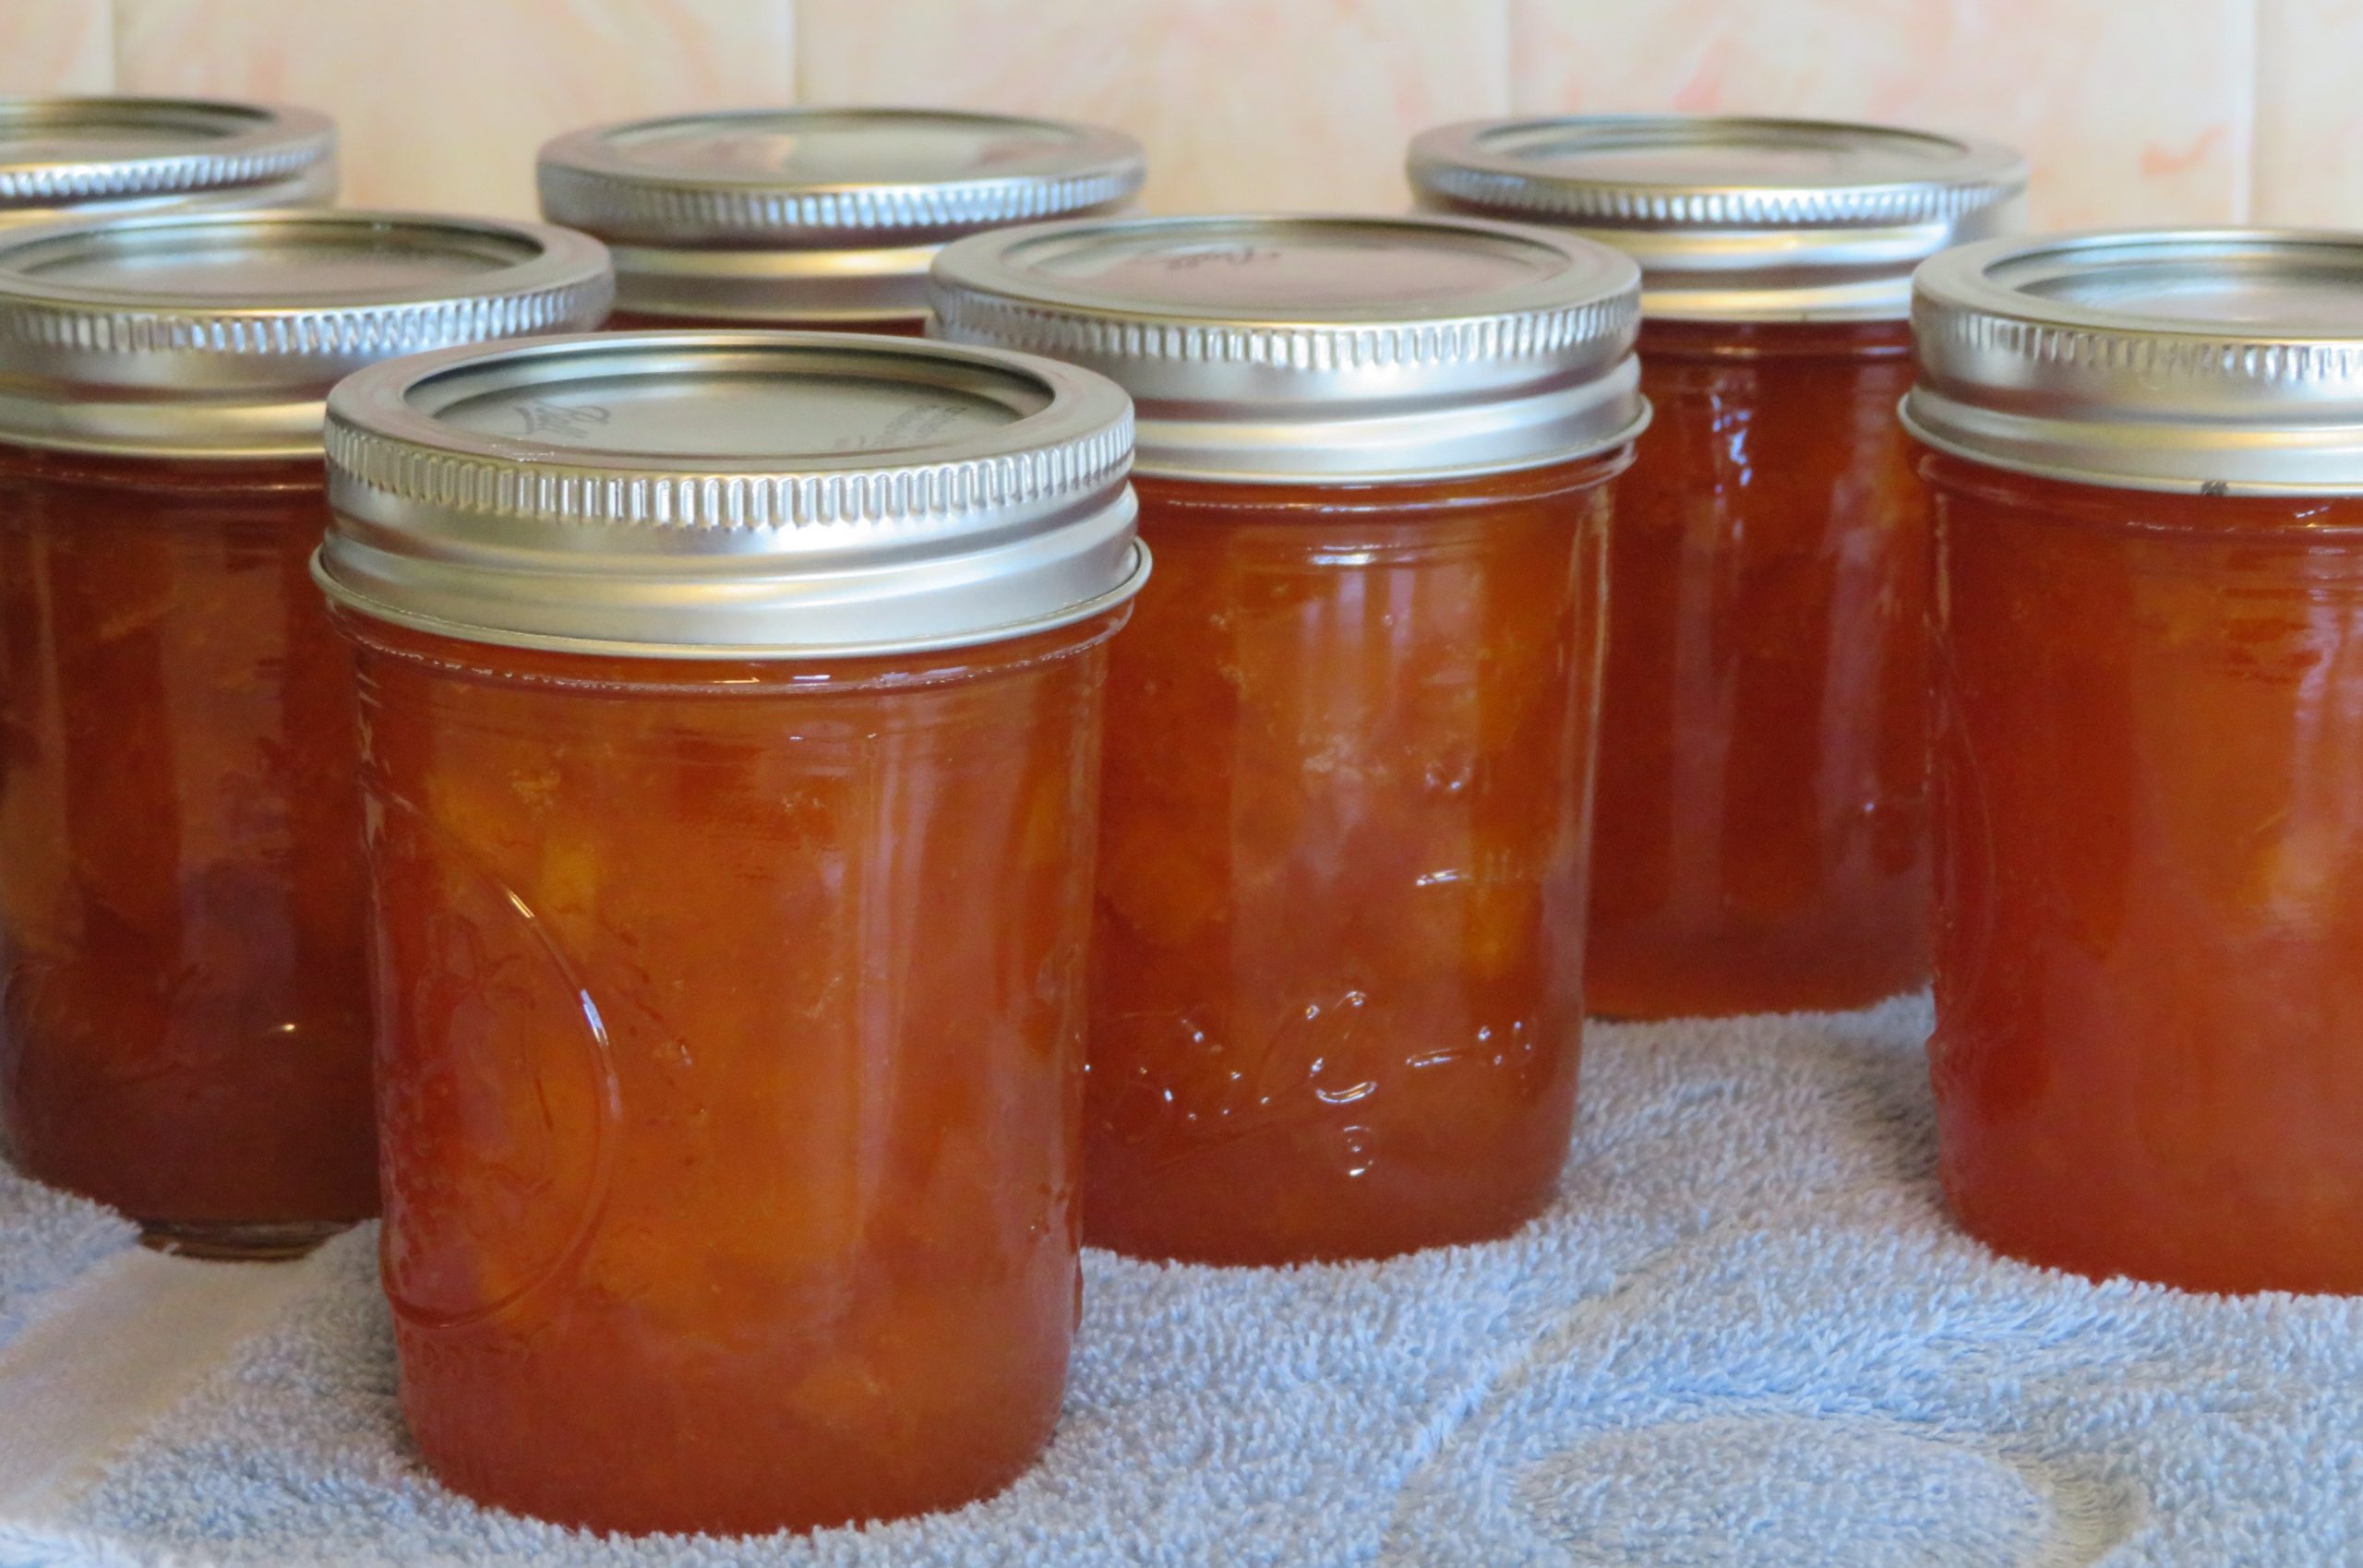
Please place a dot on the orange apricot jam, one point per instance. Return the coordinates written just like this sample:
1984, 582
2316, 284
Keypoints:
1760, 841
1761, 831
729, 1049
185, 1032
2148, 768
731, 712
186, 1008
1337, 968
1339, 994
2145, 455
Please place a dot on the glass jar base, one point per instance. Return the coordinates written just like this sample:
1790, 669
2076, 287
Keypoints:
239, 1241
660, 1491
1705, 979
1231, 1240
2205, 1258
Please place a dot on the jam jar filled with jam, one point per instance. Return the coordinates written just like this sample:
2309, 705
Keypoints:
119, 156
816, 218
183, 1007
1761, 834
1337, 961
2146, 455
730, 729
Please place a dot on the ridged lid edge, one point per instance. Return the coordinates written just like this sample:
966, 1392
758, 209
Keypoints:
1448, 161
554, 491
582, 185
2066, 390
290, 141
1057, 331
734, 546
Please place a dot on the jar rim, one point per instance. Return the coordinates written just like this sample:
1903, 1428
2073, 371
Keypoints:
1734, 217
1276, 348
2218, 361
817, 214
125, 152
218, 334
718, 494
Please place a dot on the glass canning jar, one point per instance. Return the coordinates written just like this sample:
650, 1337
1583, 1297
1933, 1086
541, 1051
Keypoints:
730, 714
186, 1025
815, 218
2146, 454
1338, 967
1761, 834
94, 158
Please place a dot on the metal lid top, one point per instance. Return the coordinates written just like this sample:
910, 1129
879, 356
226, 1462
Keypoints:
117, 155
784, 214
218, 334
2215, 360
1735, 219
1277, 349
730, 495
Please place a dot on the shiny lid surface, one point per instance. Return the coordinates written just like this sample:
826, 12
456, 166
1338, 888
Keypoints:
111, 156
1735, 219
1278, 349
817, 214
730, 495
218, 334
2219, 360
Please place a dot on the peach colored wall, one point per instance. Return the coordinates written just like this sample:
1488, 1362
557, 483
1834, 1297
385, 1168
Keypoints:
2133, 110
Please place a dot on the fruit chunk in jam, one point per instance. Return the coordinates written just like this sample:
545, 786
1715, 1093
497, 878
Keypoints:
1337, 982
730, 1061
1761, 837
181, 886
2149, 771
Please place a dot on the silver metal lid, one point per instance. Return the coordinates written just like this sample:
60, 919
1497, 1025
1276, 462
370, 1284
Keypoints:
730, 495
115, 156
2210, 360
1735, 219
219, 334
1272, 349
817, 214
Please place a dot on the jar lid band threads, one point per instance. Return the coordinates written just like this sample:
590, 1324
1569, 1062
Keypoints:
1735, 219
1278, 349
124, 155
218, 334
817, 214
2209, 360
730, 495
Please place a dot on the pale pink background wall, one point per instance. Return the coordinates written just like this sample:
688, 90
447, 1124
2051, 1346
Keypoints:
2133, 110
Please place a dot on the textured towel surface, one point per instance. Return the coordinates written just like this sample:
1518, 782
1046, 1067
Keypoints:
1746, 1335
47, 1238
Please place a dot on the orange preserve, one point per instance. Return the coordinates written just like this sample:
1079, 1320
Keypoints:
1337, 981
184, 1030
1762, 827
92, 158
815, 218
2147, 462
730, 711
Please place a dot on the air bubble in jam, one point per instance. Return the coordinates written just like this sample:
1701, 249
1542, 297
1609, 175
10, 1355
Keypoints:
1347, 757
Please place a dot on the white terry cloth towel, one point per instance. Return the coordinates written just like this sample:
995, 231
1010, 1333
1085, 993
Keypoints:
1747, 1334
46, 1239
